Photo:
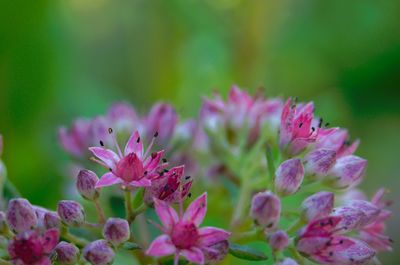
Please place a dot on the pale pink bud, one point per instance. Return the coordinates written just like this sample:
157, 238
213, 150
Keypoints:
287, 261
116, 231
265, 209
162, 119
71, 213
278, 240
21, 216
51, 220
98, 253
215, 253
370, 211
319, 162
3, 223
318, 205
67, 254
347, 172
289, 176
85, 184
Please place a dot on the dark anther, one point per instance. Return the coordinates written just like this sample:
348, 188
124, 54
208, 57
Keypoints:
138, 140
145, 173
110, 169
320, 122
110, 130
327, 124
101, 143
153, 155
301, 124
189, 195
155, 134
313, 129
187, 177
164, 160
166, 170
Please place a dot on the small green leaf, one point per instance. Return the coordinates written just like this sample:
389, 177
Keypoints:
246, 252
138, 199
130, 246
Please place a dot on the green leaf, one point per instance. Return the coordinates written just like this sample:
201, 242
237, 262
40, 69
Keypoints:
130, 246
138, 199
246, 252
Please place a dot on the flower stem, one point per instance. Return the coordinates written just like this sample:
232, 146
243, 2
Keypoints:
81, 242
296, 255
241, 204
100, 211
295, 226
128, 207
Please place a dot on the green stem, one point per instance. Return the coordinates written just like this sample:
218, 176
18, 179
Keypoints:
242, 201
254, 234
5, 262
141, 209
295, 226
271, 167
100, 211
128, 206
81, 242
296, 255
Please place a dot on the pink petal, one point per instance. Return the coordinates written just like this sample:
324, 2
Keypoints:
197, 210
50, 240
106, 155
166, 213
211, 235
43, 261
108, 179
194, 255
161, 246
144, 182
153, 161
134, 145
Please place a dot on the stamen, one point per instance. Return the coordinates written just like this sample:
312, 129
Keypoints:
164, 160
150, 145
99, 162
320, 122
101, 143
155, 134
138, 140
110, 131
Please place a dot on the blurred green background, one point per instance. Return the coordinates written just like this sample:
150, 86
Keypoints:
60, 59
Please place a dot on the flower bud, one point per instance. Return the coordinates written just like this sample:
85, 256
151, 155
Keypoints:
162, 118
370, 211
318, 205
3, 223
287, 261
215, 253
116, 231
71, 213
99, 253
67, 254
21, 215
289, 176
278, 240
265, 209
51, 220
319, 162
85, 184
347, 172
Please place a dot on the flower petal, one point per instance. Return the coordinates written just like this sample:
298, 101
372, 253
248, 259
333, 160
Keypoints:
108, 179
106, 155
161, 246
166, 213
134, 145
43, 261
211, 235
153, 161
50, 240
197, 210
194, 255
144, 182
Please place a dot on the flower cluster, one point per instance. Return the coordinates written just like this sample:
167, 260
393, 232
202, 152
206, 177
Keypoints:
275, 174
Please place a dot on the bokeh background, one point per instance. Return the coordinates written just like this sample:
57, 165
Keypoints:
60, 59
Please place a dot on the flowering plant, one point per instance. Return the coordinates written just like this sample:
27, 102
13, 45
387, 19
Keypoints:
281, 187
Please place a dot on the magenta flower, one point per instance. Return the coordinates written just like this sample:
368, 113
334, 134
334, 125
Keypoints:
170, 186
133, 168
33, 248
182, 235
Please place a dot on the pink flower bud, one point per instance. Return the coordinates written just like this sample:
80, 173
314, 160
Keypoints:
265, 209
98, 253
318, 205
123, 117
21, 215
51, 220
116, 231
347, 172
287, 261
71, 213
85, 184
67, 254
215, 253
289, 176
319, 162
3, 223
278, 240
162, 119
370, 211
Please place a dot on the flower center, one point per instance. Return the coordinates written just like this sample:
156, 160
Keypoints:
184, 235
129, 168
28, 250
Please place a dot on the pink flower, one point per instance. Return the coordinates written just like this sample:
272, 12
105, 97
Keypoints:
182, 235
133, 168
373, 233
162, 118
122, 117
33, 248
336, 139
297, 130
170, 186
